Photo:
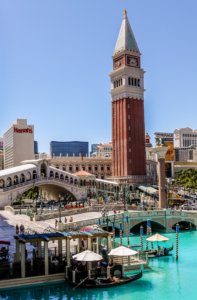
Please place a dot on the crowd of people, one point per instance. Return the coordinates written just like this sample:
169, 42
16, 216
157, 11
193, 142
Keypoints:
65, 221
20, 229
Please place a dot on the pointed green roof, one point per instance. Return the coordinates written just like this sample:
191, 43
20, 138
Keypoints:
126, 39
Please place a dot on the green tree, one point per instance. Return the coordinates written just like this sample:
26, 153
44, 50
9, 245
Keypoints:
187, 179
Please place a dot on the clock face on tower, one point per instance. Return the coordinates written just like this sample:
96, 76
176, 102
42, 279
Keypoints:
117, 63
132, 61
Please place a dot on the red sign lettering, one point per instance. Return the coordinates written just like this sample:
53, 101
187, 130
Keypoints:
23, 130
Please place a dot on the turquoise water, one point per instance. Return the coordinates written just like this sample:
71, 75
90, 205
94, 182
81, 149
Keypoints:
166, 279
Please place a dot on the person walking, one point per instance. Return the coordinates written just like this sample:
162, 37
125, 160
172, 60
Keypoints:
22, 228
17, 229
56, 223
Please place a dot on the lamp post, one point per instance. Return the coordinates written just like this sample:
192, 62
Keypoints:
60, 220
20, 203
124, 196
36, 206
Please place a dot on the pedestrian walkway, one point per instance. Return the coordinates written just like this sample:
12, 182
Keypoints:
8, 223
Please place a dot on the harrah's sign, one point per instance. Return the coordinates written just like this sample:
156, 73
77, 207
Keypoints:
24, 130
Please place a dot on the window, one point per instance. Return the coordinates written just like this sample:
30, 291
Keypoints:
133, 81
117, 83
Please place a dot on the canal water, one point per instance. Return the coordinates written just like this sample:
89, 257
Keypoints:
166, 279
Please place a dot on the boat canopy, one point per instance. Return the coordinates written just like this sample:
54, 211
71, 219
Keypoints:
60, 235
148, 189
2, 242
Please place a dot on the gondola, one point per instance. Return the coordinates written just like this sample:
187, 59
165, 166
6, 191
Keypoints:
100, 282
159, 253
107, 283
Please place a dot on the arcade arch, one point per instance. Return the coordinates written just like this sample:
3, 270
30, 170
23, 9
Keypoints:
8, 182
155, 227
2, 183
15, 181
43, 170
184, 225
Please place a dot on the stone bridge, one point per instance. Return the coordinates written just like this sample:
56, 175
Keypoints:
160, 220
51, 182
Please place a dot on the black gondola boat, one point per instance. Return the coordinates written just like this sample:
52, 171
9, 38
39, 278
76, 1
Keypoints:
100, 282
107, 282
159, 253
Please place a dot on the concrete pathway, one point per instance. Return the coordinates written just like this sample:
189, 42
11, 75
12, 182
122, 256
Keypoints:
8, 223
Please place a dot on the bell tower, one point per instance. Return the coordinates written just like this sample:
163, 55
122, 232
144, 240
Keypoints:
127, 91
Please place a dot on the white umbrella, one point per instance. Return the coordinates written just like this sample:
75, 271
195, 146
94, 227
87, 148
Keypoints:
157, 238
87, 255
122, 251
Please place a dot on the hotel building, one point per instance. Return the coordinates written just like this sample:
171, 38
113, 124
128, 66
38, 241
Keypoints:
18, 143
74, 148
1, 154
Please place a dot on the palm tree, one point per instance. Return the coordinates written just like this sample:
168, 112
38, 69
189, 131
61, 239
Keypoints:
187, 179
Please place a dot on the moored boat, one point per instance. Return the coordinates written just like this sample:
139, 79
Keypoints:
101, 282
160, 252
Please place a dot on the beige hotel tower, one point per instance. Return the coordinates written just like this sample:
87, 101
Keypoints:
18, 143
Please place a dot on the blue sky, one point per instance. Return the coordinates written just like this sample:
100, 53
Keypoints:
56, 56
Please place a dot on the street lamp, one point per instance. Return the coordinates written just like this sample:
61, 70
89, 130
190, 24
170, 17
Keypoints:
124, 197
60, 220
36, 206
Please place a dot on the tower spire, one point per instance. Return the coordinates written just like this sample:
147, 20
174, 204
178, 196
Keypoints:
125, 14
126, 39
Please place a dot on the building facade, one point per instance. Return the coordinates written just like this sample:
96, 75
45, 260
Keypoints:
36, 147
127, 91
93, 149
185, 137
100, 167
166, 139
1, 154
18, 143
74, 148
147, 141
104, 150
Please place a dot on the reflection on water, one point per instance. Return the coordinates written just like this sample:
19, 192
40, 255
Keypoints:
165, 279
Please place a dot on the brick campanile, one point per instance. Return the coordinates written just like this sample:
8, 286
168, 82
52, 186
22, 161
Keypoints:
127, 91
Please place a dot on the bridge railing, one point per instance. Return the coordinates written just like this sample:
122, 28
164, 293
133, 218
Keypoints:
21, 184
179, 213
39, 179
150, 213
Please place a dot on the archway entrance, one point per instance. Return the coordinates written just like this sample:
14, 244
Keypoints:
155, 227
43, 170
184, 226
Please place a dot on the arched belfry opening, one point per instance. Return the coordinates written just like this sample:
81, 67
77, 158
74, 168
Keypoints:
43, 170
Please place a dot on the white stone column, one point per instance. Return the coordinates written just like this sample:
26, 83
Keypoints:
162, 191
39, 249
46, 258
97, 245
89, 243
160, 153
